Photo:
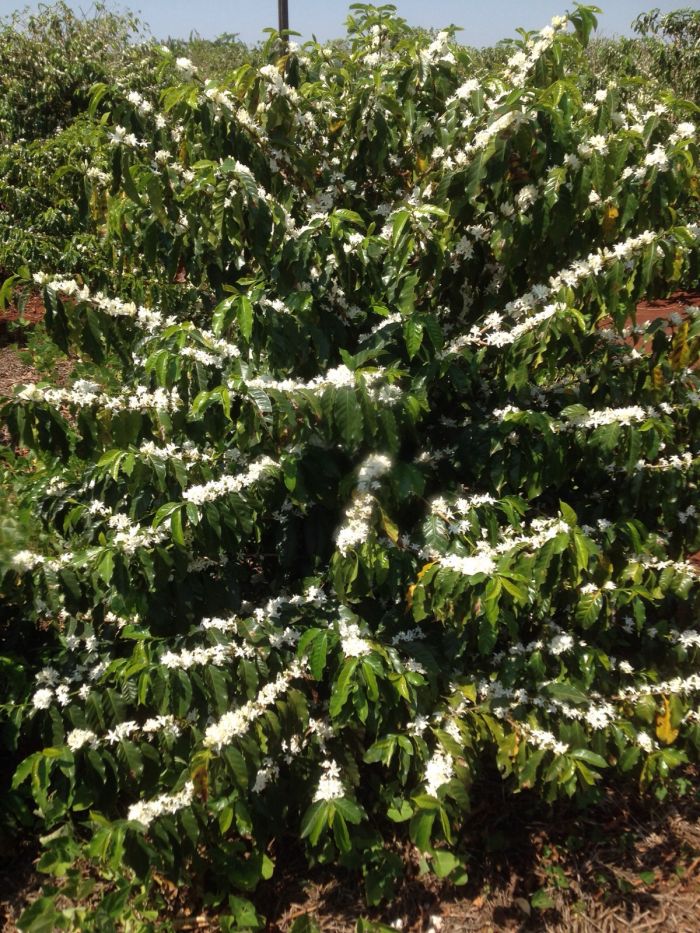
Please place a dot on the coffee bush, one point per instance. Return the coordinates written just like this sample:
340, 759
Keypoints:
376, 495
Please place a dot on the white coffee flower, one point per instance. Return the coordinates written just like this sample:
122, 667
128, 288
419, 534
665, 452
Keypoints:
185, 66
561, 643
22, 561
78, 738
42, 698
330, 787
439, 770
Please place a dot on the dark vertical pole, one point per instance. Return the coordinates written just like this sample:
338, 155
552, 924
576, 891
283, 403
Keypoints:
283, 14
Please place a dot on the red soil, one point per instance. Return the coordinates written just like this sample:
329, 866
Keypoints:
664, 307
32, 312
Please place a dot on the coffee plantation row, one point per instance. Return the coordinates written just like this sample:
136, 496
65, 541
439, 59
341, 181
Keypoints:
369, 494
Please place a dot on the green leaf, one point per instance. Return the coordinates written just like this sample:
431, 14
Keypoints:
342, 687
221, 316
245, 317
237, 765
541, 900
401, 813
7, 289
589, 608
629, 758
568, 514
348, 216
317, 654
340, 832
444, 863
435, 533
382, 750
398, 222
382, 875
129, 185
528, 773
41, 916
176, 528
350, 810
165, 512
566, 693
105, 568
347, 415
155, 196
261, 401
517, 591
314, 821
244, 914
488, 635
413, 336
305, 924
189, 823
591, 758
406, 297
218, 682
59, 856
421, 828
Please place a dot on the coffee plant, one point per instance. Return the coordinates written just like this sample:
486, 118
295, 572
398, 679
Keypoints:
376, 495
217, 58
50, 58
665, 54
676, 46
52, 179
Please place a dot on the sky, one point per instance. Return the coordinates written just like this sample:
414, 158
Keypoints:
484, 22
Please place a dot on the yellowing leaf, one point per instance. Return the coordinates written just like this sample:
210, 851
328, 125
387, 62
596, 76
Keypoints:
677, 265
469, 691
421, 163
680, 352
389, 527
200, 779
610, 215
409, 595
425, 568
665, 731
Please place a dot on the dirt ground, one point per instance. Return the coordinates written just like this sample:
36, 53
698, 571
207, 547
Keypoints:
664, 307
622, 865
15, 368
